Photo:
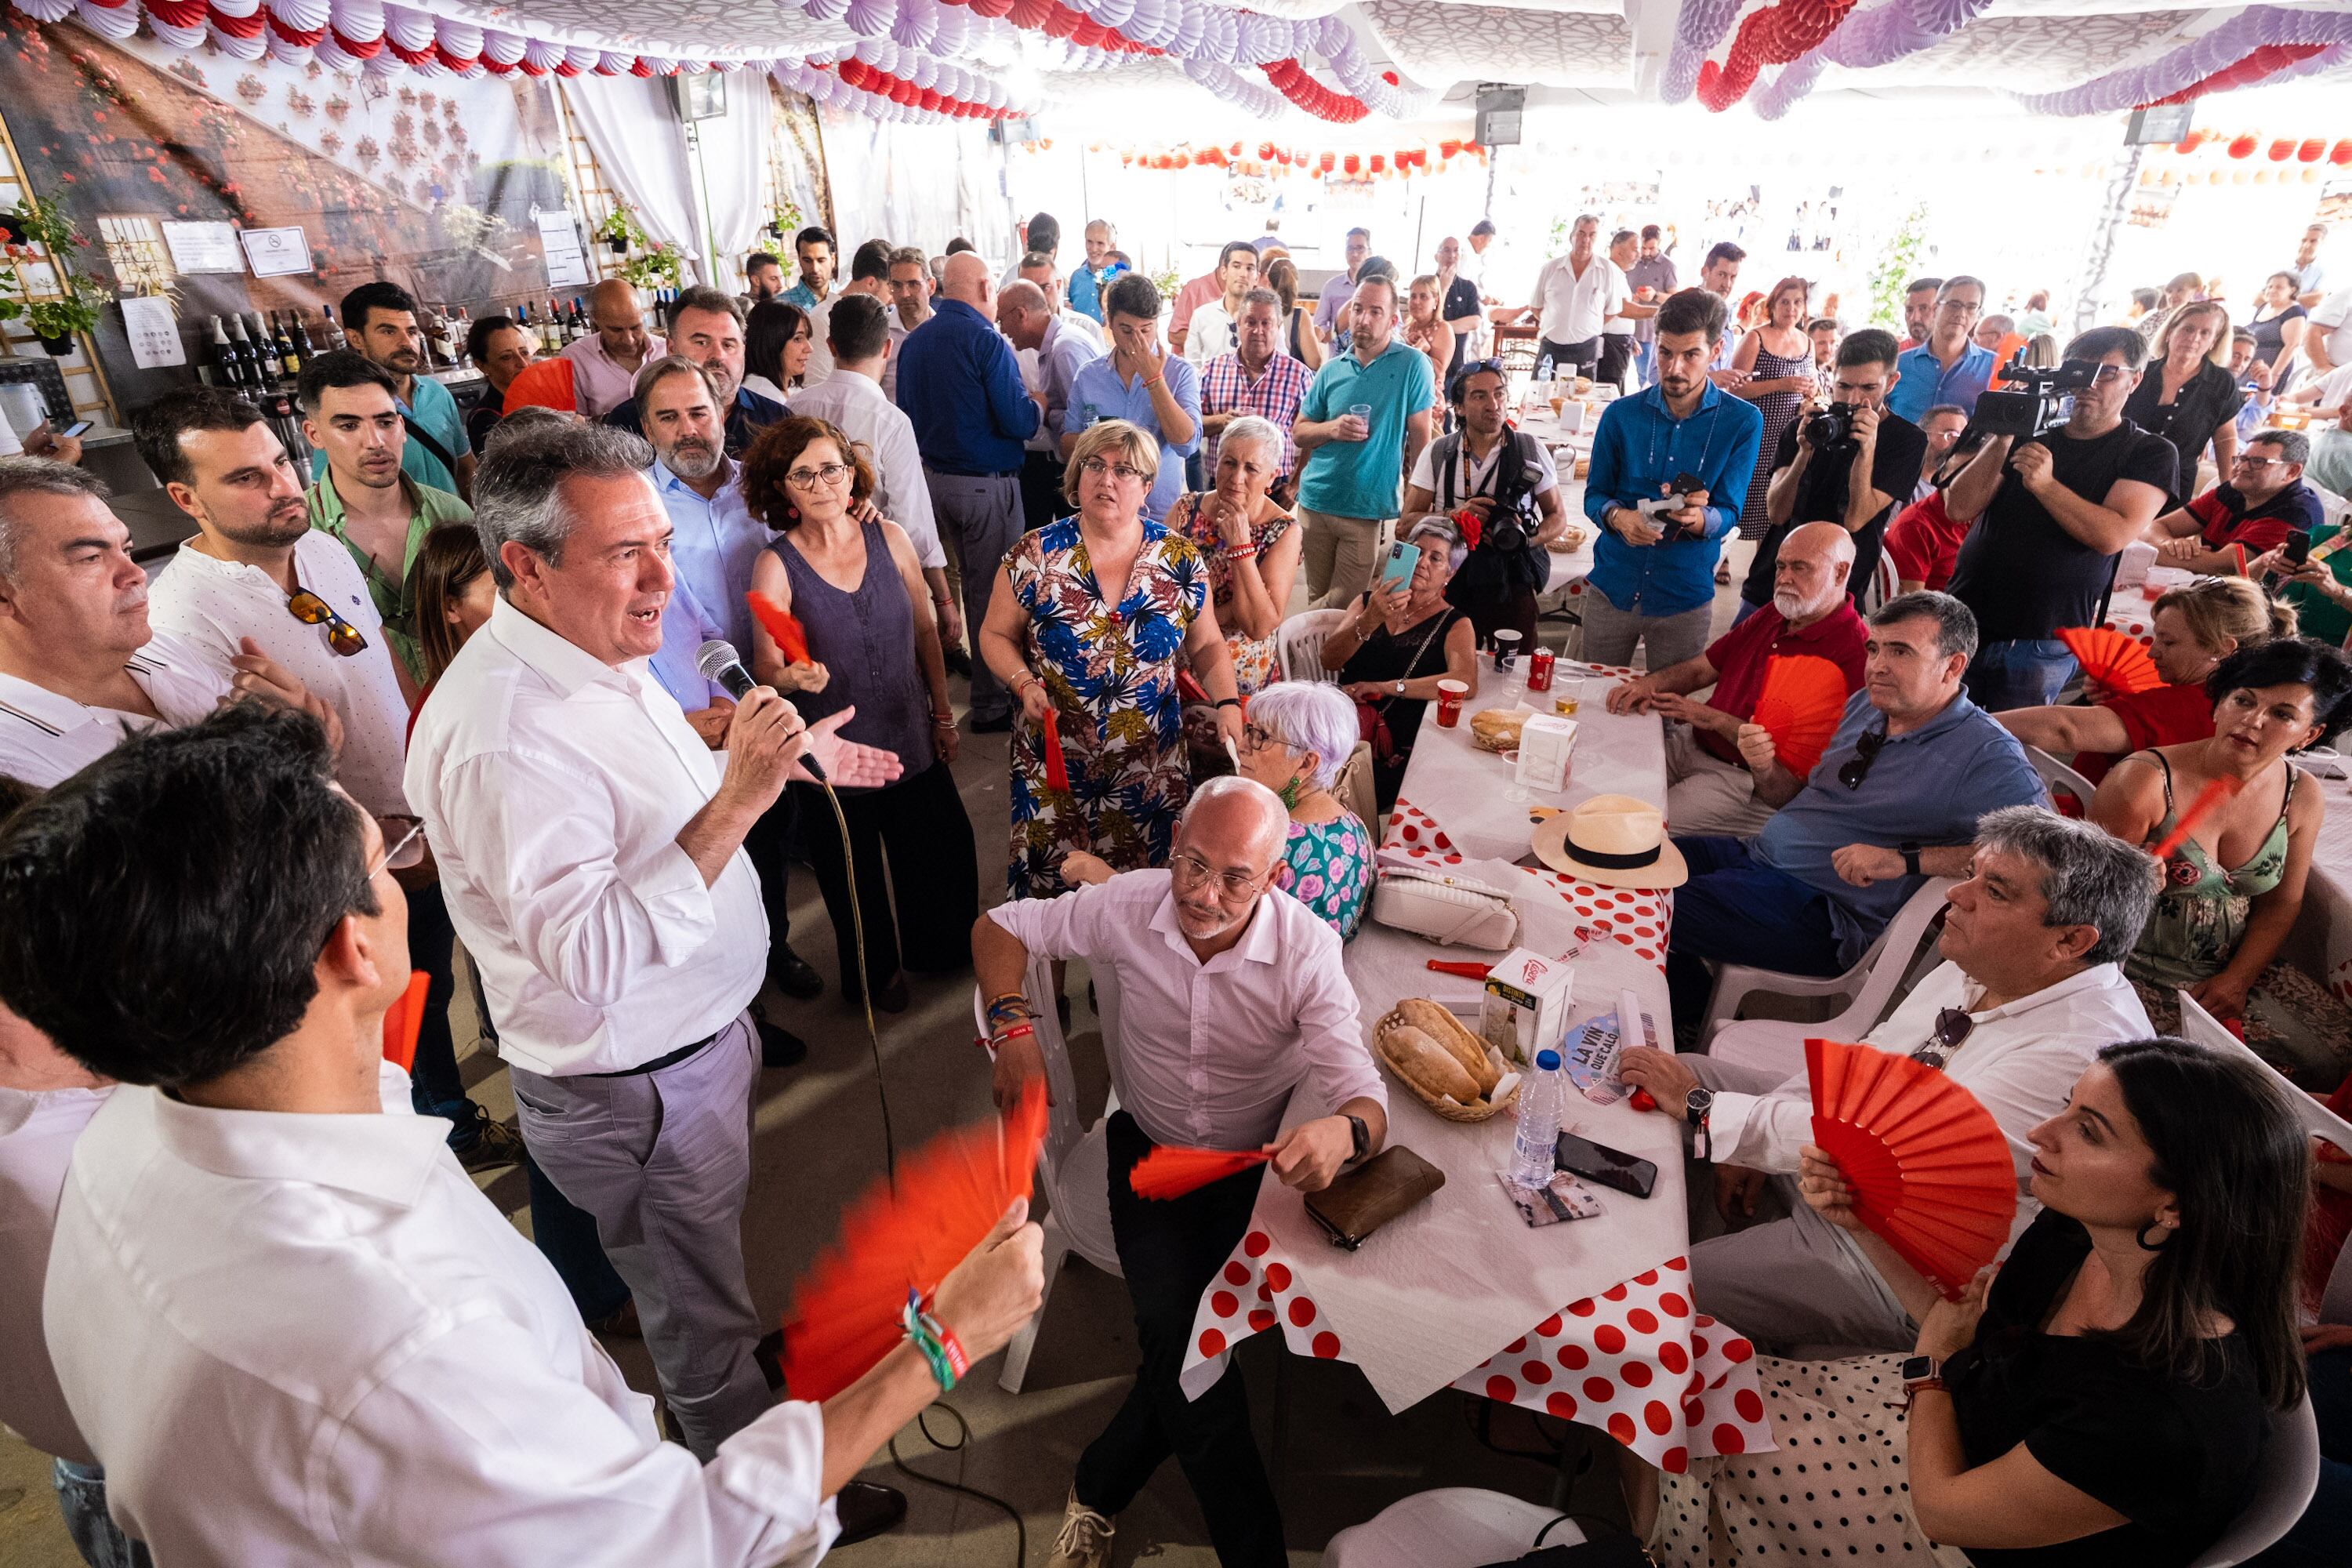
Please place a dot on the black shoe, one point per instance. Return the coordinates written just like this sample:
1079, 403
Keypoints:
866, 1511
958, 661
1000, 725
779, 1047
793, 975
891, 995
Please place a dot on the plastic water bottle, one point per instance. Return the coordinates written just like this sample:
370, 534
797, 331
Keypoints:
1541, 1102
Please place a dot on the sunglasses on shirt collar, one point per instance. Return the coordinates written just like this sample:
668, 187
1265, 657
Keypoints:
312, 611
1952, 1026
1866, 747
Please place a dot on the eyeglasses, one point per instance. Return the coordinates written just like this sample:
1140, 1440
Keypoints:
1256, 739
1952, 1026
394, 848
809, 478
2108, 373
312, 611
2246, 462
1095, 467
1191, 870
1866, 747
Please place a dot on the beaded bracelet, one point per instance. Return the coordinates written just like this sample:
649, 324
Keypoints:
940, 1349
1007, 1036
1009, 1006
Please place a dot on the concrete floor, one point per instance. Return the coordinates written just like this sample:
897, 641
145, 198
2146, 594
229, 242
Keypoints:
1336, 1455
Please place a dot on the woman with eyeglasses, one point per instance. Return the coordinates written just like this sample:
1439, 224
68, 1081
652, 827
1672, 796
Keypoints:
2194, 628
777, 342
1092, 619
2233, 890
1249, 543
856, 589
1396, 645
2101, 1401
2187, 395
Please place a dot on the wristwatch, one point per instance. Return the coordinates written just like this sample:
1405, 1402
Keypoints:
1362, 1136
1400, 688
1910, 858
1921, 1371
1697, 1105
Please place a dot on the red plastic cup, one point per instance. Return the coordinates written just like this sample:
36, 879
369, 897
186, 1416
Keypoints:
1450, 694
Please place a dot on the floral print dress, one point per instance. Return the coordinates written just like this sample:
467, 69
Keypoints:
1110, 673
1255, 666
1328, 866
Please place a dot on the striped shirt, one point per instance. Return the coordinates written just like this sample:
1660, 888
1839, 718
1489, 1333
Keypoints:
1226, 388
46, 739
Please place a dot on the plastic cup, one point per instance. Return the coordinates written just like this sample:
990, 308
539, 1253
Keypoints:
1568, 695
1507, 651
1450, 694
1362, 411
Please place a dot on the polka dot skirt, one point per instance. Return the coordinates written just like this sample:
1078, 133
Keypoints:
1835, 1490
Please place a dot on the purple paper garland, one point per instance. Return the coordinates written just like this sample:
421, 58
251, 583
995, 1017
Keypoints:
2192, 63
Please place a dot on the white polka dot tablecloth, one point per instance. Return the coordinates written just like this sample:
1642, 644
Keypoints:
2132, 611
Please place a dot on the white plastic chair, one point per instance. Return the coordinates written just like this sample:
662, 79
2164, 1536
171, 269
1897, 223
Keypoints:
1354, 788
1299, 643
2336, 1304
2056, 776
2288, 1474
1867, 987
1452, 1527
2202, 1028
1073, 1174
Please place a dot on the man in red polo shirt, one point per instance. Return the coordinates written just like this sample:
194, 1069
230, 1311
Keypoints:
1708, 788
2249, 511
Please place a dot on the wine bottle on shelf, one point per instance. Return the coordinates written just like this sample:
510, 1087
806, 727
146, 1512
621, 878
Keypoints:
289, 352
304, 343
330, 336
551, 330
444, 340
254, 375
264, 349
226, 371
575, 326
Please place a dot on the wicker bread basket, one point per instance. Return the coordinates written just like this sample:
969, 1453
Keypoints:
1477, 1109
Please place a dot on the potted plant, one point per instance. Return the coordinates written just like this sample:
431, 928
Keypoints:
658, 267
785, 220
620, 229
37, 222
57, 321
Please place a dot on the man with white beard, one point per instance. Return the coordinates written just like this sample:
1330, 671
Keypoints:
1709, 788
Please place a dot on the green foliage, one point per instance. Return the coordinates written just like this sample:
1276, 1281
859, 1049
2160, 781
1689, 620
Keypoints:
656, 267
622, 224
45, 224
1896, 268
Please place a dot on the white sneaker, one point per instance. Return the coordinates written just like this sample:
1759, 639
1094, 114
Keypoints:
1085, 1540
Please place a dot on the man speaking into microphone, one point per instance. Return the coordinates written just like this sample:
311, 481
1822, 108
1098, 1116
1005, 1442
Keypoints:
591, 849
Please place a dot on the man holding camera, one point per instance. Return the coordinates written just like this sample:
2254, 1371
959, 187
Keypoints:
1847, 463
1670, 472
2050, 514
1504, 479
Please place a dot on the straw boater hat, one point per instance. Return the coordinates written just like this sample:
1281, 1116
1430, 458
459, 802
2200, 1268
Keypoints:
1614, 841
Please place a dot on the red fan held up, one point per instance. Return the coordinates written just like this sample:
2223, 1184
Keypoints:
948, 1196
1802, 700
2112, 662
1932, 1174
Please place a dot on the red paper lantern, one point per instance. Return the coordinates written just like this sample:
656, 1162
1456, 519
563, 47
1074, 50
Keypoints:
1352, 164
1380, 164
2313, 150
1183, 161
1126, 160
1449, 147
2341, 153
2185, 148
1265, 149
2281, 151
2243, 146
1324, 161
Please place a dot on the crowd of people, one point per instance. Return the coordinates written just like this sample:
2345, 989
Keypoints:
554, 693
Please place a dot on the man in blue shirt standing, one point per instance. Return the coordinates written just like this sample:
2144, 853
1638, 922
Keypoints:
1652, 580
380, 321
1894, 801
1139, 381
960, 385
814, 248
1950, 366
1361, 429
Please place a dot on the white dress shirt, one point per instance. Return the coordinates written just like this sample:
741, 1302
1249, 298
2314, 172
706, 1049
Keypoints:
1210, 333
46, 738
553, 787
208, 603
1574, 308
854, 404
38, 1131
309, 1339
714, 544
2020, 1061
1206, 1055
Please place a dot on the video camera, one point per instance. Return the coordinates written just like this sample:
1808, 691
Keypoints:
2036, 398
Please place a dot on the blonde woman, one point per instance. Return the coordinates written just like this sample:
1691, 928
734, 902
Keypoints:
2187, 394
1426, 329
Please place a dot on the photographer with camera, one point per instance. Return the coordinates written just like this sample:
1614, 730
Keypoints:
1670, 471
1848, 463
2053, 503
1503, 479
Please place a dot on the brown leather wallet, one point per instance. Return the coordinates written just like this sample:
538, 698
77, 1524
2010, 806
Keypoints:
1360, 1201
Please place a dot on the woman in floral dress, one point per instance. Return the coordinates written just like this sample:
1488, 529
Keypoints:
1089, 617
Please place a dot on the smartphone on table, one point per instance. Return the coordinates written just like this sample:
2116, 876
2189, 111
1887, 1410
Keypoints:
1604, 1166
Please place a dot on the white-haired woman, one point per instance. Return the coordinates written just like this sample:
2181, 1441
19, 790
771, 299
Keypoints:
1249, 543
1296, 739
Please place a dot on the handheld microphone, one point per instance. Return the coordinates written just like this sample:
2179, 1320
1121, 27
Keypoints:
720, 664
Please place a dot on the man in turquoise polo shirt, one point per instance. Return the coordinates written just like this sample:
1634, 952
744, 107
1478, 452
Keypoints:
1361, 426
380, 321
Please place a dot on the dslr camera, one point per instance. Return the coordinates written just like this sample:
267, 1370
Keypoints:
2036, 398
1831, 430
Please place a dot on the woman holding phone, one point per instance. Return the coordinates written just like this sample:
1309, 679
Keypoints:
1398, 641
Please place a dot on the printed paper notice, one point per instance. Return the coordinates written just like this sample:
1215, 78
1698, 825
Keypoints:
154, 336
203, 247
275, 252
559, 238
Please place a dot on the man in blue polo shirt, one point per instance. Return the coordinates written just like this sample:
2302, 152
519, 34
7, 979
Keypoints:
380, 321
1361, 429
1895, 800
960, 387
1139, 381
1951, 367
1652, 580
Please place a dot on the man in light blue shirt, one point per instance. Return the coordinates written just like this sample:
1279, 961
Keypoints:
1361, 429
814, 247
1893, 801
1950, 366
1141, 382
1342, 288
380, 321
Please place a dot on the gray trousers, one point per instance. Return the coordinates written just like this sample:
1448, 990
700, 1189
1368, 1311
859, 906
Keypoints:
1610, 633
1793, 1281
663, 1161
1705, 794
981, 514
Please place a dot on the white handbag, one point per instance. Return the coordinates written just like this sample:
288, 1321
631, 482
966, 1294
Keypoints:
1449, 910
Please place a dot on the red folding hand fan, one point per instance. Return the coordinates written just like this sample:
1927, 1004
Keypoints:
950, 1195
1171, 1172
1057, 767
791, 641
1802, 700
2116, 665
403, 1020
1931, 1173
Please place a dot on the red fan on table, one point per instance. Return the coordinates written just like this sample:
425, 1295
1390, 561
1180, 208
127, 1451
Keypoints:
1057, 767
1802, 700
779, 624
948, 1197
2112, 662
1170, 1172
403, 1020
1931, 1173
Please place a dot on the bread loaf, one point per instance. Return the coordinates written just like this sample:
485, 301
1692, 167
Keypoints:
1428, 1066
1448, 1031
1498, 728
